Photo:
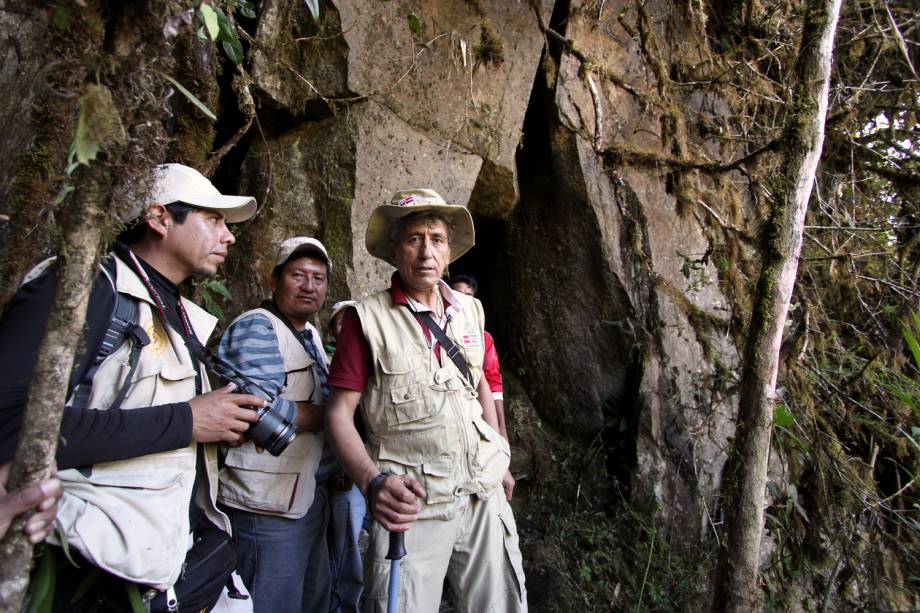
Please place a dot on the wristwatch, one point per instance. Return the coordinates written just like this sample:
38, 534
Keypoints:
373, 485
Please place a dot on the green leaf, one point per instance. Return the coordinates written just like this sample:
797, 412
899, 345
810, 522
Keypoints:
41, 587
774, 490
247, 11
89, 580
65, 544
414, 23
134, 597
230, 41
234, 50
212, 307
801, 511
85, 145
220, 288
782, 417
61, 17
201, 106
313, 5
66, 190
911, 339
209, 17
226, 32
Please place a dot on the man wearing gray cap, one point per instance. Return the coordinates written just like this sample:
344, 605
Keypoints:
278, 504
139, 486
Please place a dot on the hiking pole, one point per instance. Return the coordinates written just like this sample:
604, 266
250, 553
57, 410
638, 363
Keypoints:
396, 553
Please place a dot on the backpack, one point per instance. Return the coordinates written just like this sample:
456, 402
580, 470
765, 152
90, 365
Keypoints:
123, 327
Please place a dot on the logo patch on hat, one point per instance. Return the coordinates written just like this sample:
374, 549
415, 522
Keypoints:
406, 201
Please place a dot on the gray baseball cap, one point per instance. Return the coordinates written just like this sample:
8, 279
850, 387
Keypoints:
301, 245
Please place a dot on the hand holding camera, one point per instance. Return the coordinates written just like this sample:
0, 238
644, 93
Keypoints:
263, 426
223, 416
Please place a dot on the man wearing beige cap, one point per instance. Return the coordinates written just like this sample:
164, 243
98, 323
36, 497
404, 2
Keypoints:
434, 463
139, 484
278, 505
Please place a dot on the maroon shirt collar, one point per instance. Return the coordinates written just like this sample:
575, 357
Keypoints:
398, 294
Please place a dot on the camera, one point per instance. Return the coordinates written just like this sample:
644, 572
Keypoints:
270, 431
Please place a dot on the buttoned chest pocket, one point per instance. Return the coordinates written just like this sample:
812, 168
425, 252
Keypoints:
474, 357
162, 380
402, 385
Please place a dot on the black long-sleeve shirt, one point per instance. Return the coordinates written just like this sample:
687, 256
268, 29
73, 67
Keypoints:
88, 436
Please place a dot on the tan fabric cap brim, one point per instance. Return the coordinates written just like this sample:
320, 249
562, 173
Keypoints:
235, 209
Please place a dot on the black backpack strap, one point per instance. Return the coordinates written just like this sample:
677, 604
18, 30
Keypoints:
122, 326
453, 352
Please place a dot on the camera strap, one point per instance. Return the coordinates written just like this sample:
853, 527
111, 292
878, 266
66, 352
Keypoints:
187, 331
310, 345
195, 348
453, 352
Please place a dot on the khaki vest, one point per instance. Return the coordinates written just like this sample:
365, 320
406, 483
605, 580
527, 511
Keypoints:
283, 485
131, 517
424, 419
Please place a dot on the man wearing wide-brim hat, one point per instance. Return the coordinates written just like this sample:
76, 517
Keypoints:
434, 463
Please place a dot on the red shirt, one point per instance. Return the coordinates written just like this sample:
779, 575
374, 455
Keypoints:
490, 366
351, 364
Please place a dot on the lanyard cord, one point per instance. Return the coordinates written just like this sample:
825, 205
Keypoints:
211, 361
161, 306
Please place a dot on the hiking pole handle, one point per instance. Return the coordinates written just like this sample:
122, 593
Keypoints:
396, 553
397, 549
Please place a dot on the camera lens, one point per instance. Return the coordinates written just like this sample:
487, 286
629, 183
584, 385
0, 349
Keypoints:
271, 431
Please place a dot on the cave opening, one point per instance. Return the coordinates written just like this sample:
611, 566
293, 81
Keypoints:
485, 262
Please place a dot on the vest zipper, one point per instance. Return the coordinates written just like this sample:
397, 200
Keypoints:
462, 422
464, 435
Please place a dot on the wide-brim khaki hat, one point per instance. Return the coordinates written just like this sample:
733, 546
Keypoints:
409, 201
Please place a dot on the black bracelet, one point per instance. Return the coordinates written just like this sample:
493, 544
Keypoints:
374, 484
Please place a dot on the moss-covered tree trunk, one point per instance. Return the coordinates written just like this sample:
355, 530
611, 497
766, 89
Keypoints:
736, 584
116, 57
84, 227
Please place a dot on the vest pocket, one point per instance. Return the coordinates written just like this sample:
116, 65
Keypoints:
438, 484
406, 405
263, 482
262, 490
157, 380
133, 524
421, 456
512, 547
493, 454
400, 382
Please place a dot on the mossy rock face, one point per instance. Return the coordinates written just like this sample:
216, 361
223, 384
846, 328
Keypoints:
326, 178
426, 69
298, 61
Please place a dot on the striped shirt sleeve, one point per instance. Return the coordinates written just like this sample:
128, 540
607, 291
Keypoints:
251, 346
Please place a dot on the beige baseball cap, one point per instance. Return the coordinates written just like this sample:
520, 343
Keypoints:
341, 306
301, 244
406, 202
179, 183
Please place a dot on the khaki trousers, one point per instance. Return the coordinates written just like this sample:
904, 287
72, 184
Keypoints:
477, 552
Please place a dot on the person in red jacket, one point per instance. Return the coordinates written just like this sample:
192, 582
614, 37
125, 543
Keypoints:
467, 284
